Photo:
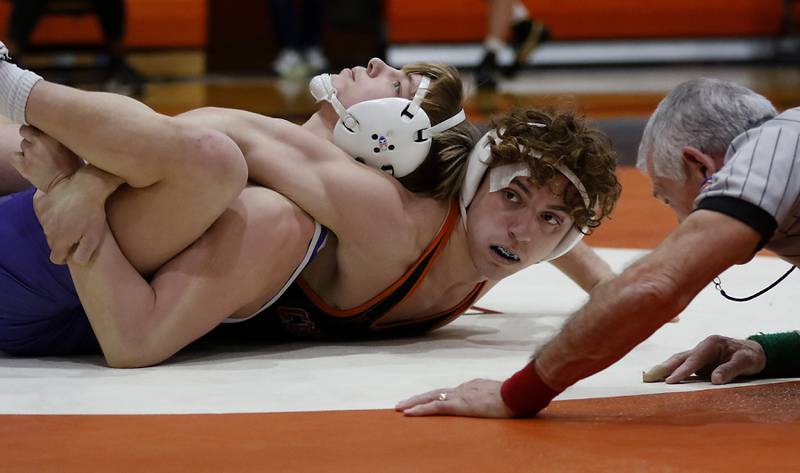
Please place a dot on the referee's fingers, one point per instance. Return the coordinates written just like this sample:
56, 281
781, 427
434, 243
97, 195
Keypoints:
741, 363
419, 399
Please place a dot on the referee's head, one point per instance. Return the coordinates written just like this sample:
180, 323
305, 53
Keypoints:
704, 113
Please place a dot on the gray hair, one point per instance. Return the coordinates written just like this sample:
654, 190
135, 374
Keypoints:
705, 113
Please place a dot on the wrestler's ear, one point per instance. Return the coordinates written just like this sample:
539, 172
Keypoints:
697, 161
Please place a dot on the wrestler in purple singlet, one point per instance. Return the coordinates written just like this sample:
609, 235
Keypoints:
40, 313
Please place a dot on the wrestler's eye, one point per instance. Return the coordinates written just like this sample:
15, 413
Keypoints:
551, 219
511, 196
397, 89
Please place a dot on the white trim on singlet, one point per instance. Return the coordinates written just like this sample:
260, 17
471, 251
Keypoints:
312, 250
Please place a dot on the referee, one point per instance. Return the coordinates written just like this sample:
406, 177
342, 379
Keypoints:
729, 166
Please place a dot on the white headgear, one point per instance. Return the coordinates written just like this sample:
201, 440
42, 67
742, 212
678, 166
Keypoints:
477, 164
392, 134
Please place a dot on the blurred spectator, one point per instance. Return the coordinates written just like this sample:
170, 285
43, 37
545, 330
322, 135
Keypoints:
300, 54
785, 45
526, 34
119, 76
789, 23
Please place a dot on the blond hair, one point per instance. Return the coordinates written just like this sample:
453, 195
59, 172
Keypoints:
440, 175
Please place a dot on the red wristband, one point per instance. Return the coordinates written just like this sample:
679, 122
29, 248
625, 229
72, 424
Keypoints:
525, 393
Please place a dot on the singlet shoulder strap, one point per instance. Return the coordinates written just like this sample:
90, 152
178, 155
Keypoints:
401, 288
441, 241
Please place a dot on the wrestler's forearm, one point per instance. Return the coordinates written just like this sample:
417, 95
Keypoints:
584, 266
117, 301
142, 322
99, 183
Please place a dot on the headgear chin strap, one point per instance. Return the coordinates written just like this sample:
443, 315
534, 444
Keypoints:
392, 134
478, 162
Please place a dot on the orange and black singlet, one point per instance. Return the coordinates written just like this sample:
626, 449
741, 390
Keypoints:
303, 314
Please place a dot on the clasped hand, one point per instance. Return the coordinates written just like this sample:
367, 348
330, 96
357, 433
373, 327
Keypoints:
73, 219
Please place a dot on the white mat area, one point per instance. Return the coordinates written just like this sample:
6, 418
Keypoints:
375, 375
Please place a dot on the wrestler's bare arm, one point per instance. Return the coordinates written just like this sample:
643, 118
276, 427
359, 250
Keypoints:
584, 266
140, 323
349, 198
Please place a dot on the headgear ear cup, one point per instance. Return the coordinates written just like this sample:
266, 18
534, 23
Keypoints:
392, 134
567, 243
478, 163
381, 142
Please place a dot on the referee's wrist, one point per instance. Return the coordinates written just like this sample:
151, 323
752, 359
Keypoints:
780, 351
525, 393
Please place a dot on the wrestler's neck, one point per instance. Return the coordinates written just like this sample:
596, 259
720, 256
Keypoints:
322, 122
458, 258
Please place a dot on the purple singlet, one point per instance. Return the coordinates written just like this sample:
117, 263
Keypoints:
40, 313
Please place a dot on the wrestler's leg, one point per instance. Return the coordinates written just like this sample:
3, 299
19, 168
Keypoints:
500, 14
118, 134
187, 169
156, 221
146, 149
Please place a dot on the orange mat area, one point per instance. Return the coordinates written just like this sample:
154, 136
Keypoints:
719, 430
639, 220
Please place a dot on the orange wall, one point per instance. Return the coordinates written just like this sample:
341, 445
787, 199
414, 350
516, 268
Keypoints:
150, 23
465, 20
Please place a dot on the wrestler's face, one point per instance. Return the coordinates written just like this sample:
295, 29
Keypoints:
376, 81
516, 226
679, 196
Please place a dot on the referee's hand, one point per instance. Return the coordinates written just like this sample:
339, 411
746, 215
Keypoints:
719, 358
476, 398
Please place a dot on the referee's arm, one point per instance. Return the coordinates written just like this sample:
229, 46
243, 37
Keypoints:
629, 308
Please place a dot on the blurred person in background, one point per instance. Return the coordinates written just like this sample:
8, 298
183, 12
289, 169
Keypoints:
526, 35
298, 37
118, 75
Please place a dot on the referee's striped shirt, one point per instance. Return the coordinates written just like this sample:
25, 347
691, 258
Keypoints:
759, 184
